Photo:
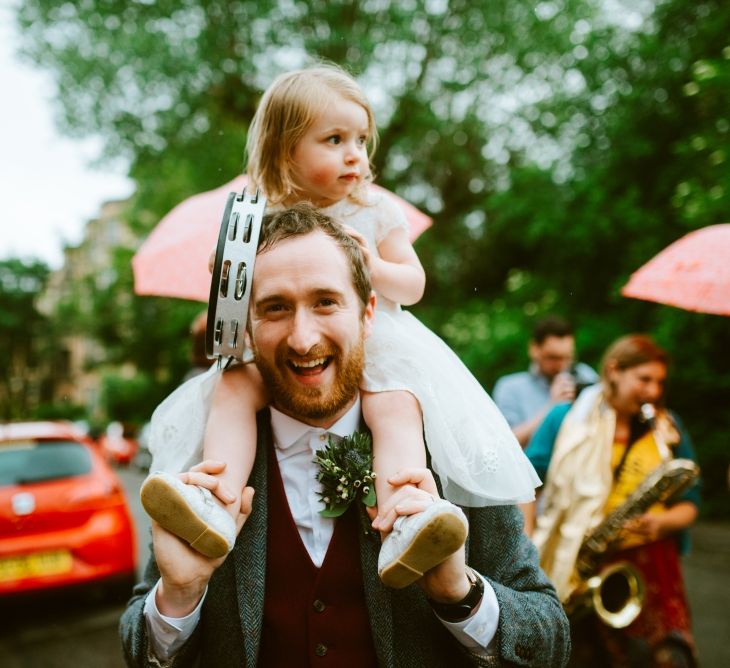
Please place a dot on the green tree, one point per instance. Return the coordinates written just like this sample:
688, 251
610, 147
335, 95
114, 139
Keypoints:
25, 337
149, 335
557, 146
173, 86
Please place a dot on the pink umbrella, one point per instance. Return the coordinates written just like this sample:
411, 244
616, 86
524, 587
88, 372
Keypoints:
173, 260
692, 273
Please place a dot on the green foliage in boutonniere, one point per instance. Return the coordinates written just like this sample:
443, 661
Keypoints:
345, 471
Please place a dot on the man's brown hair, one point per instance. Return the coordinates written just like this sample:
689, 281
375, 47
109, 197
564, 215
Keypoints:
302, 219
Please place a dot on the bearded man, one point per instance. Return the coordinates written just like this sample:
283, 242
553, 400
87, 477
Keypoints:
300, 589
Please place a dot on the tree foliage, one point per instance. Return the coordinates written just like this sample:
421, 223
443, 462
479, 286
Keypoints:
25, 336
558, 146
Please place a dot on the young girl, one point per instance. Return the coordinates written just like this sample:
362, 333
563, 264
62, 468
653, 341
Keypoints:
309, 141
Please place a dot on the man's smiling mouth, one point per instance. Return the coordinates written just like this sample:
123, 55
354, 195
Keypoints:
309, 367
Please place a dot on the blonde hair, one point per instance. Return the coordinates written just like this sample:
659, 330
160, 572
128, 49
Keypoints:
287, 109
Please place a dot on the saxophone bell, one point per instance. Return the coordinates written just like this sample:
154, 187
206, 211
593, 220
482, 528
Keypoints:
615, 595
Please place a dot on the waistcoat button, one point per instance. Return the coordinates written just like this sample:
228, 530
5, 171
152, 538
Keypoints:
319, 606
320, 649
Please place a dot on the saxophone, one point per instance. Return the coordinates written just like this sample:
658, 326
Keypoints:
616, 593
667, 480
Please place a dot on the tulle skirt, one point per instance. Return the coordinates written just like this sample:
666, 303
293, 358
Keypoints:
472, 448
178, 424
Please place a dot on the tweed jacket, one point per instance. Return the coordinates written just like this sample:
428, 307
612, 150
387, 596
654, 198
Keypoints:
532, 629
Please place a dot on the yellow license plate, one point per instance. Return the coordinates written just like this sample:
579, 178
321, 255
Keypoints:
34, 565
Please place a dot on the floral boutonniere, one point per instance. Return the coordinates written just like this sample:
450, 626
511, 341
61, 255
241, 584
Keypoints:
345, 471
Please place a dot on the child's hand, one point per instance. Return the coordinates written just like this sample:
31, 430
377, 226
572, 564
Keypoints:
361, 241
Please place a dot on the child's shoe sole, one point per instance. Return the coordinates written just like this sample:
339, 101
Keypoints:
441, 536
166, 503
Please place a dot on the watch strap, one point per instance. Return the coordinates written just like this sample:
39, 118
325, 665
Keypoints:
460, 610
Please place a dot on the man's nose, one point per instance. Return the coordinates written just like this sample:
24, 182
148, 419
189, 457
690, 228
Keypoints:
303, 335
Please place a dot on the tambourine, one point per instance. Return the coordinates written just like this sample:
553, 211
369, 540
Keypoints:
230, 287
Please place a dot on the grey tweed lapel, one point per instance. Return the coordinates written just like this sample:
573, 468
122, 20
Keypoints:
250, 549
377, 597
378, 600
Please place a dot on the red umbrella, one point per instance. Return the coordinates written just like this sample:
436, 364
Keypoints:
693, 273
173, 260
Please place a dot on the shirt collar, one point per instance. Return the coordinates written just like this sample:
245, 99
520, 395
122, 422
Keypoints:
287, 430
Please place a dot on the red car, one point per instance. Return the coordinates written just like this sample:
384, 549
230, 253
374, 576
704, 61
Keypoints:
117, 444
64, 519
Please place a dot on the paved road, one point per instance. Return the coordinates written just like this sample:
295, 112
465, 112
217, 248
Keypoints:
707, 578
82, 632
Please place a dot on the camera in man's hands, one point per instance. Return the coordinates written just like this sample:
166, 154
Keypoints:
580, 384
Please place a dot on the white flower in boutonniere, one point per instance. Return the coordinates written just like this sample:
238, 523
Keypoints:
345, 471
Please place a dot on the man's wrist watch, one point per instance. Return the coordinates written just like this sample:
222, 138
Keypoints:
459, 611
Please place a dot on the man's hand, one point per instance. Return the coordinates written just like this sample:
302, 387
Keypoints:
447, 582
416, 491
562, 388
184, 571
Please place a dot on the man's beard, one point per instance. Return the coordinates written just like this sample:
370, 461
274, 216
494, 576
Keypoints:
314, 403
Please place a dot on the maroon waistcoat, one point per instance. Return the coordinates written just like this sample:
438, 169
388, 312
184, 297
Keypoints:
312, 616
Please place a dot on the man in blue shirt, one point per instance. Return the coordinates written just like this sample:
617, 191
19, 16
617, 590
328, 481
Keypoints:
525, 397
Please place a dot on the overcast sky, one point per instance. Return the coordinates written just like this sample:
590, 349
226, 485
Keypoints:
48, 188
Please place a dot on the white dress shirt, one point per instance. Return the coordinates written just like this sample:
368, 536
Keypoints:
295, 444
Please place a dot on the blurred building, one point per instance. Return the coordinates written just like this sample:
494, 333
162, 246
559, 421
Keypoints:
87, 273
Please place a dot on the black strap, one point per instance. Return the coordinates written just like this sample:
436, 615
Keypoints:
620, 465
637, 429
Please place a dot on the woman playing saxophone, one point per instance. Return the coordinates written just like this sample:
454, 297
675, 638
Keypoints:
593, 454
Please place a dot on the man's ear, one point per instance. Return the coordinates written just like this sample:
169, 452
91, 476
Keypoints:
368, 316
